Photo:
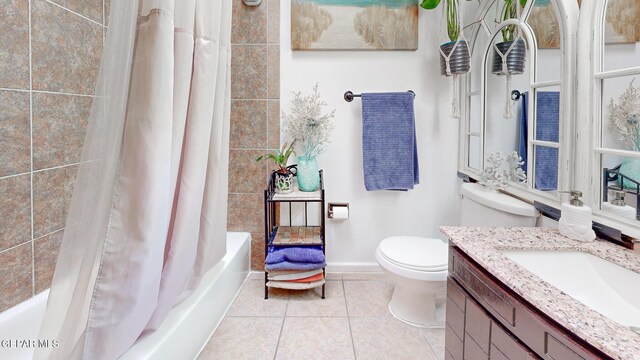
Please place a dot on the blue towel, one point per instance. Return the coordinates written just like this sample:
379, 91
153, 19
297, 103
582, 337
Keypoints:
547, 129
390, 153
286, 265
300, 254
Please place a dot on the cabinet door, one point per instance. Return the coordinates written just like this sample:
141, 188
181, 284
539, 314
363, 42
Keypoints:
506, 347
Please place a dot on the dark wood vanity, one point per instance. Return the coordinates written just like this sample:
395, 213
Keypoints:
487, 320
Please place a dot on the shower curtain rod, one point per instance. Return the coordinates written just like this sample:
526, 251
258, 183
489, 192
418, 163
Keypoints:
349, 95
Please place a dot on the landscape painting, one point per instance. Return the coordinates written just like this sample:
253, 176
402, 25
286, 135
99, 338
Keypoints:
545, 26
622, 22
354, 24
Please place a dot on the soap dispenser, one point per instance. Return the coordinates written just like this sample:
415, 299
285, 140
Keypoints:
575, 221
618, 206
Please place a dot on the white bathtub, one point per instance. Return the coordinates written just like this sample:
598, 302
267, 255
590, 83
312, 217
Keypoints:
185, 330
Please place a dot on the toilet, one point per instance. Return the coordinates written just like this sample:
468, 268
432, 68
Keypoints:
419, 266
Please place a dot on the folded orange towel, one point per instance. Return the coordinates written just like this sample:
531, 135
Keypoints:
308, 279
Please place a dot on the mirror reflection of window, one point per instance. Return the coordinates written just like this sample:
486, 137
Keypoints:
619, 142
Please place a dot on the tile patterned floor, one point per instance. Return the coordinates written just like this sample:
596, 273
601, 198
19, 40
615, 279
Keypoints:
353, 322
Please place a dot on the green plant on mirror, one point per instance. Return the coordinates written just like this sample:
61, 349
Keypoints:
510, 11
280, 157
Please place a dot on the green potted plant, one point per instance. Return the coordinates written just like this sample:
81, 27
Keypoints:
283, 176
515, 53
459, 61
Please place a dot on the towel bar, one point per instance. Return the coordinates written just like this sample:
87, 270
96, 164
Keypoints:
349, 95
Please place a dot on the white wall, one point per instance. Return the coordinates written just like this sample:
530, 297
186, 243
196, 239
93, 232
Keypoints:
376, 215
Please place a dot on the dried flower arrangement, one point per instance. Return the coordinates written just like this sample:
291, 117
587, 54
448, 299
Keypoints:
624, 117
307, 124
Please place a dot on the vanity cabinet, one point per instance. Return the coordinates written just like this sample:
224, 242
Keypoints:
487, 320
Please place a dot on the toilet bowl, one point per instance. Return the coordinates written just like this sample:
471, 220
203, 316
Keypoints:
418, 266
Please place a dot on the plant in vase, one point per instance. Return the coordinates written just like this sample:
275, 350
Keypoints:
509, 55
311, 128
283, 176
454, 55
624, 119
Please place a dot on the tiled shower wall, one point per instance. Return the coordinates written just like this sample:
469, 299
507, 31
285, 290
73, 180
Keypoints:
49, 59
255, 115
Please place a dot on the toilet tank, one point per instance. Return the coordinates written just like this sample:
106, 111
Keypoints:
484, 208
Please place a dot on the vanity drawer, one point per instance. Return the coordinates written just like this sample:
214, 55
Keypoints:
478, 325
453, 344
505, 346
483, 289
556, 350
456, 293
455, 318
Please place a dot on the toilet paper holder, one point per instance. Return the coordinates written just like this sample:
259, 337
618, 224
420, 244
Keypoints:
332, 205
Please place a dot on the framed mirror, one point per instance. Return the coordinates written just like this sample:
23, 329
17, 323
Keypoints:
613, 118
518, 96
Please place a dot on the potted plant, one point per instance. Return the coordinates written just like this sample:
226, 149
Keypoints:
515, 53
283, 176
459, 62
311, 129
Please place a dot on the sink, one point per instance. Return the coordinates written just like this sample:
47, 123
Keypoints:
607, 288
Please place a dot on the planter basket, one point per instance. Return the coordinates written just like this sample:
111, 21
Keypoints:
515, 57
284, 182
459, 60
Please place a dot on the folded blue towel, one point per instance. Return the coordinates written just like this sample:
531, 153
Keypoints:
287, 265
300, 254
547, 129
390, 153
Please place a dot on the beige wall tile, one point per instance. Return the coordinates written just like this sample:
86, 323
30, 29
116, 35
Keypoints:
257, 251
273, 136
273, 18
249, 23
14, 44
52, 190
249, 72
45, 256
15, 210
246, 175
66, 50
91, 9
273, 63
315, 338
246, 212
248, 124
14, 132
243, 338
15, 276
59, 126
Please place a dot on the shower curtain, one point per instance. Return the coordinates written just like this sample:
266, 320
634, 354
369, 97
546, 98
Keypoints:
148, 213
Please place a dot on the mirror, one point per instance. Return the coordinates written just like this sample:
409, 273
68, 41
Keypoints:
515, 105
619, 115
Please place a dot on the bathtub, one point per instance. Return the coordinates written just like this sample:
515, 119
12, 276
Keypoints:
185, 330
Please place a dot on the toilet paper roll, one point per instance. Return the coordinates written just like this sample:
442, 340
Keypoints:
340, 213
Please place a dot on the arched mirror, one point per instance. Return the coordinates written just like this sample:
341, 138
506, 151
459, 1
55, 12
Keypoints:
519, 93
615, 116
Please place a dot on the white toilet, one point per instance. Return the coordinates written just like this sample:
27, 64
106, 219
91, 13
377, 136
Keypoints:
419, 266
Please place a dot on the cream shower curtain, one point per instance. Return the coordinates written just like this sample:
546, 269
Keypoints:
148, 214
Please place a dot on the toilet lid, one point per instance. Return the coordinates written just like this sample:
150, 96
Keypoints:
416, 252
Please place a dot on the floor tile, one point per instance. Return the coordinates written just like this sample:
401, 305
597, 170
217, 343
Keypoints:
368, 298
315, 338
435, 338
243, 338
373, 276
388, 338
310, 302
250, 301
